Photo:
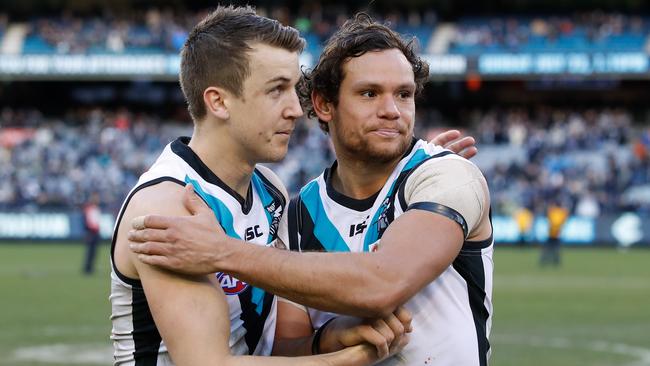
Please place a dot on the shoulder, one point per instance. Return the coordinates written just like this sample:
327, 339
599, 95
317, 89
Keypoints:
448, 171
163, 197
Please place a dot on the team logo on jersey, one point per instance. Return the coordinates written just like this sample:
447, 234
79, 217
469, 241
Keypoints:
276, 214
383, 220
231, 285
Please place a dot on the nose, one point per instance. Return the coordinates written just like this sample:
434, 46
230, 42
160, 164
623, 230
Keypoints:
293, 109
388, 108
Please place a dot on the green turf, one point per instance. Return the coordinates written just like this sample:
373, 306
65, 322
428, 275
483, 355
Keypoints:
47, 302
594, 310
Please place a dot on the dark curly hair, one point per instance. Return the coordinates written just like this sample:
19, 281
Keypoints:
356, 37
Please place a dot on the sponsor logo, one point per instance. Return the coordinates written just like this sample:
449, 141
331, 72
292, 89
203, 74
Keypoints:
231, 285
252, 233
356, 229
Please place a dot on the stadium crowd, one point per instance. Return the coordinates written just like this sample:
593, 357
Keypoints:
591, 159
581, 32
164, 30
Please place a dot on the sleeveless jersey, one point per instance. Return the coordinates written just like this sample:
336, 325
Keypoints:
452, 314
252, 310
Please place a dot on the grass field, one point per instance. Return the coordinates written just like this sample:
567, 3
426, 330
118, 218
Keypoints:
594, 310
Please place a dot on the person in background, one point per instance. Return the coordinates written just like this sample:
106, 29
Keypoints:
91, 218
524, 218
557, 215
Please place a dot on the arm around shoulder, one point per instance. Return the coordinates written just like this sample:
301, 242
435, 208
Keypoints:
190, 311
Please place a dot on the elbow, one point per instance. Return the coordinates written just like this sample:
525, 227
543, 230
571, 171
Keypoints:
380, 301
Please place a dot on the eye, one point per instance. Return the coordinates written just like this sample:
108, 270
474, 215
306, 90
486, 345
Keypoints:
405, 94
275, 92
368, 94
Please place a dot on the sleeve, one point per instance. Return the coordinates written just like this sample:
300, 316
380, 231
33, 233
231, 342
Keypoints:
451, 186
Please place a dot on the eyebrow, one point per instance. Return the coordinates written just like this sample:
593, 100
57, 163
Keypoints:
283, 79
372, 85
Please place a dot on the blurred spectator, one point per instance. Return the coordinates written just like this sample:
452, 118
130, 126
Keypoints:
91, 218
524, 219
557, 215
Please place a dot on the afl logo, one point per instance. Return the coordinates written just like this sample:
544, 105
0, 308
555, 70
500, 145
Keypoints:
231, 285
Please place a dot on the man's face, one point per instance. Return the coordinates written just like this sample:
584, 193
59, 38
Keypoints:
373, 120
263, 118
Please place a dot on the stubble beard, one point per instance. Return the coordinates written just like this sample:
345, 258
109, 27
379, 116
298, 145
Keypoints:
363, 150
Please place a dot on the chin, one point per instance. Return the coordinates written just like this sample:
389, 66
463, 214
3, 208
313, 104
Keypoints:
388, 151
274, 156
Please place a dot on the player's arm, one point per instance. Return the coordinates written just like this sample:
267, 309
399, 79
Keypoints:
191, 313
415, 249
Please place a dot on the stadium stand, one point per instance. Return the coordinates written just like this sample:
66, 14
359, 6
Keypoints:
593, 32
528, 157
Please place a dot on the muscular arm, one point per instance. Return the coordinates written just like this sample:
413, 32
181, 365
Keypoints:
190, 312
416, 249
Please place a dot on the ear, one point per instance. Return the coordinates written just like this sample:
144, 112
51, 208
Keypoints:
323, 108
215, 100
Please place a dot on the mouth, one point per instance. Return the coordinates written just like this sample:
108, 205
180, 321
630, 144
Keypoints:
284, 132
386, 132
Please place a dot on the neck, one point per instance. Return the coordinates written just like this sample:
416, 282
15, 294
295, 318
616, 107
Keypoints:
223, 157
360, 179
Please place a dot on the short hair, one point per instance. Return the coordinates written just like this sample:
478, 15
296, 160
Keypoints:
356, 37
216, 51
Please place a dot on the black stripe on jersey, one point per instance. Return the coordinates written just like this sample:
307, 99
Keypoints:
294, 222
272, 189
254, 322
442, 210
478, 244
403, 177
132, 281
470, 267
308, 240
146, 337
180, 147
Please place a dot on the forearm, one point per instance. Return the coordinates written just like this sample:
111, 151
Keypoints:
352, 356
359, 284
292, 347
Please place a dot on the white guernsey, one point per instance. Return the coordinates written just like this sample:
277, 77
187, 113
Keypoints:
254, 219
452, 314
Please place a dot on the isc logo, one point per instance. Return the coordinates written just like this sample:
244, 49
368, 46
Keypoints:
231, 285
356, 229
252, 233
